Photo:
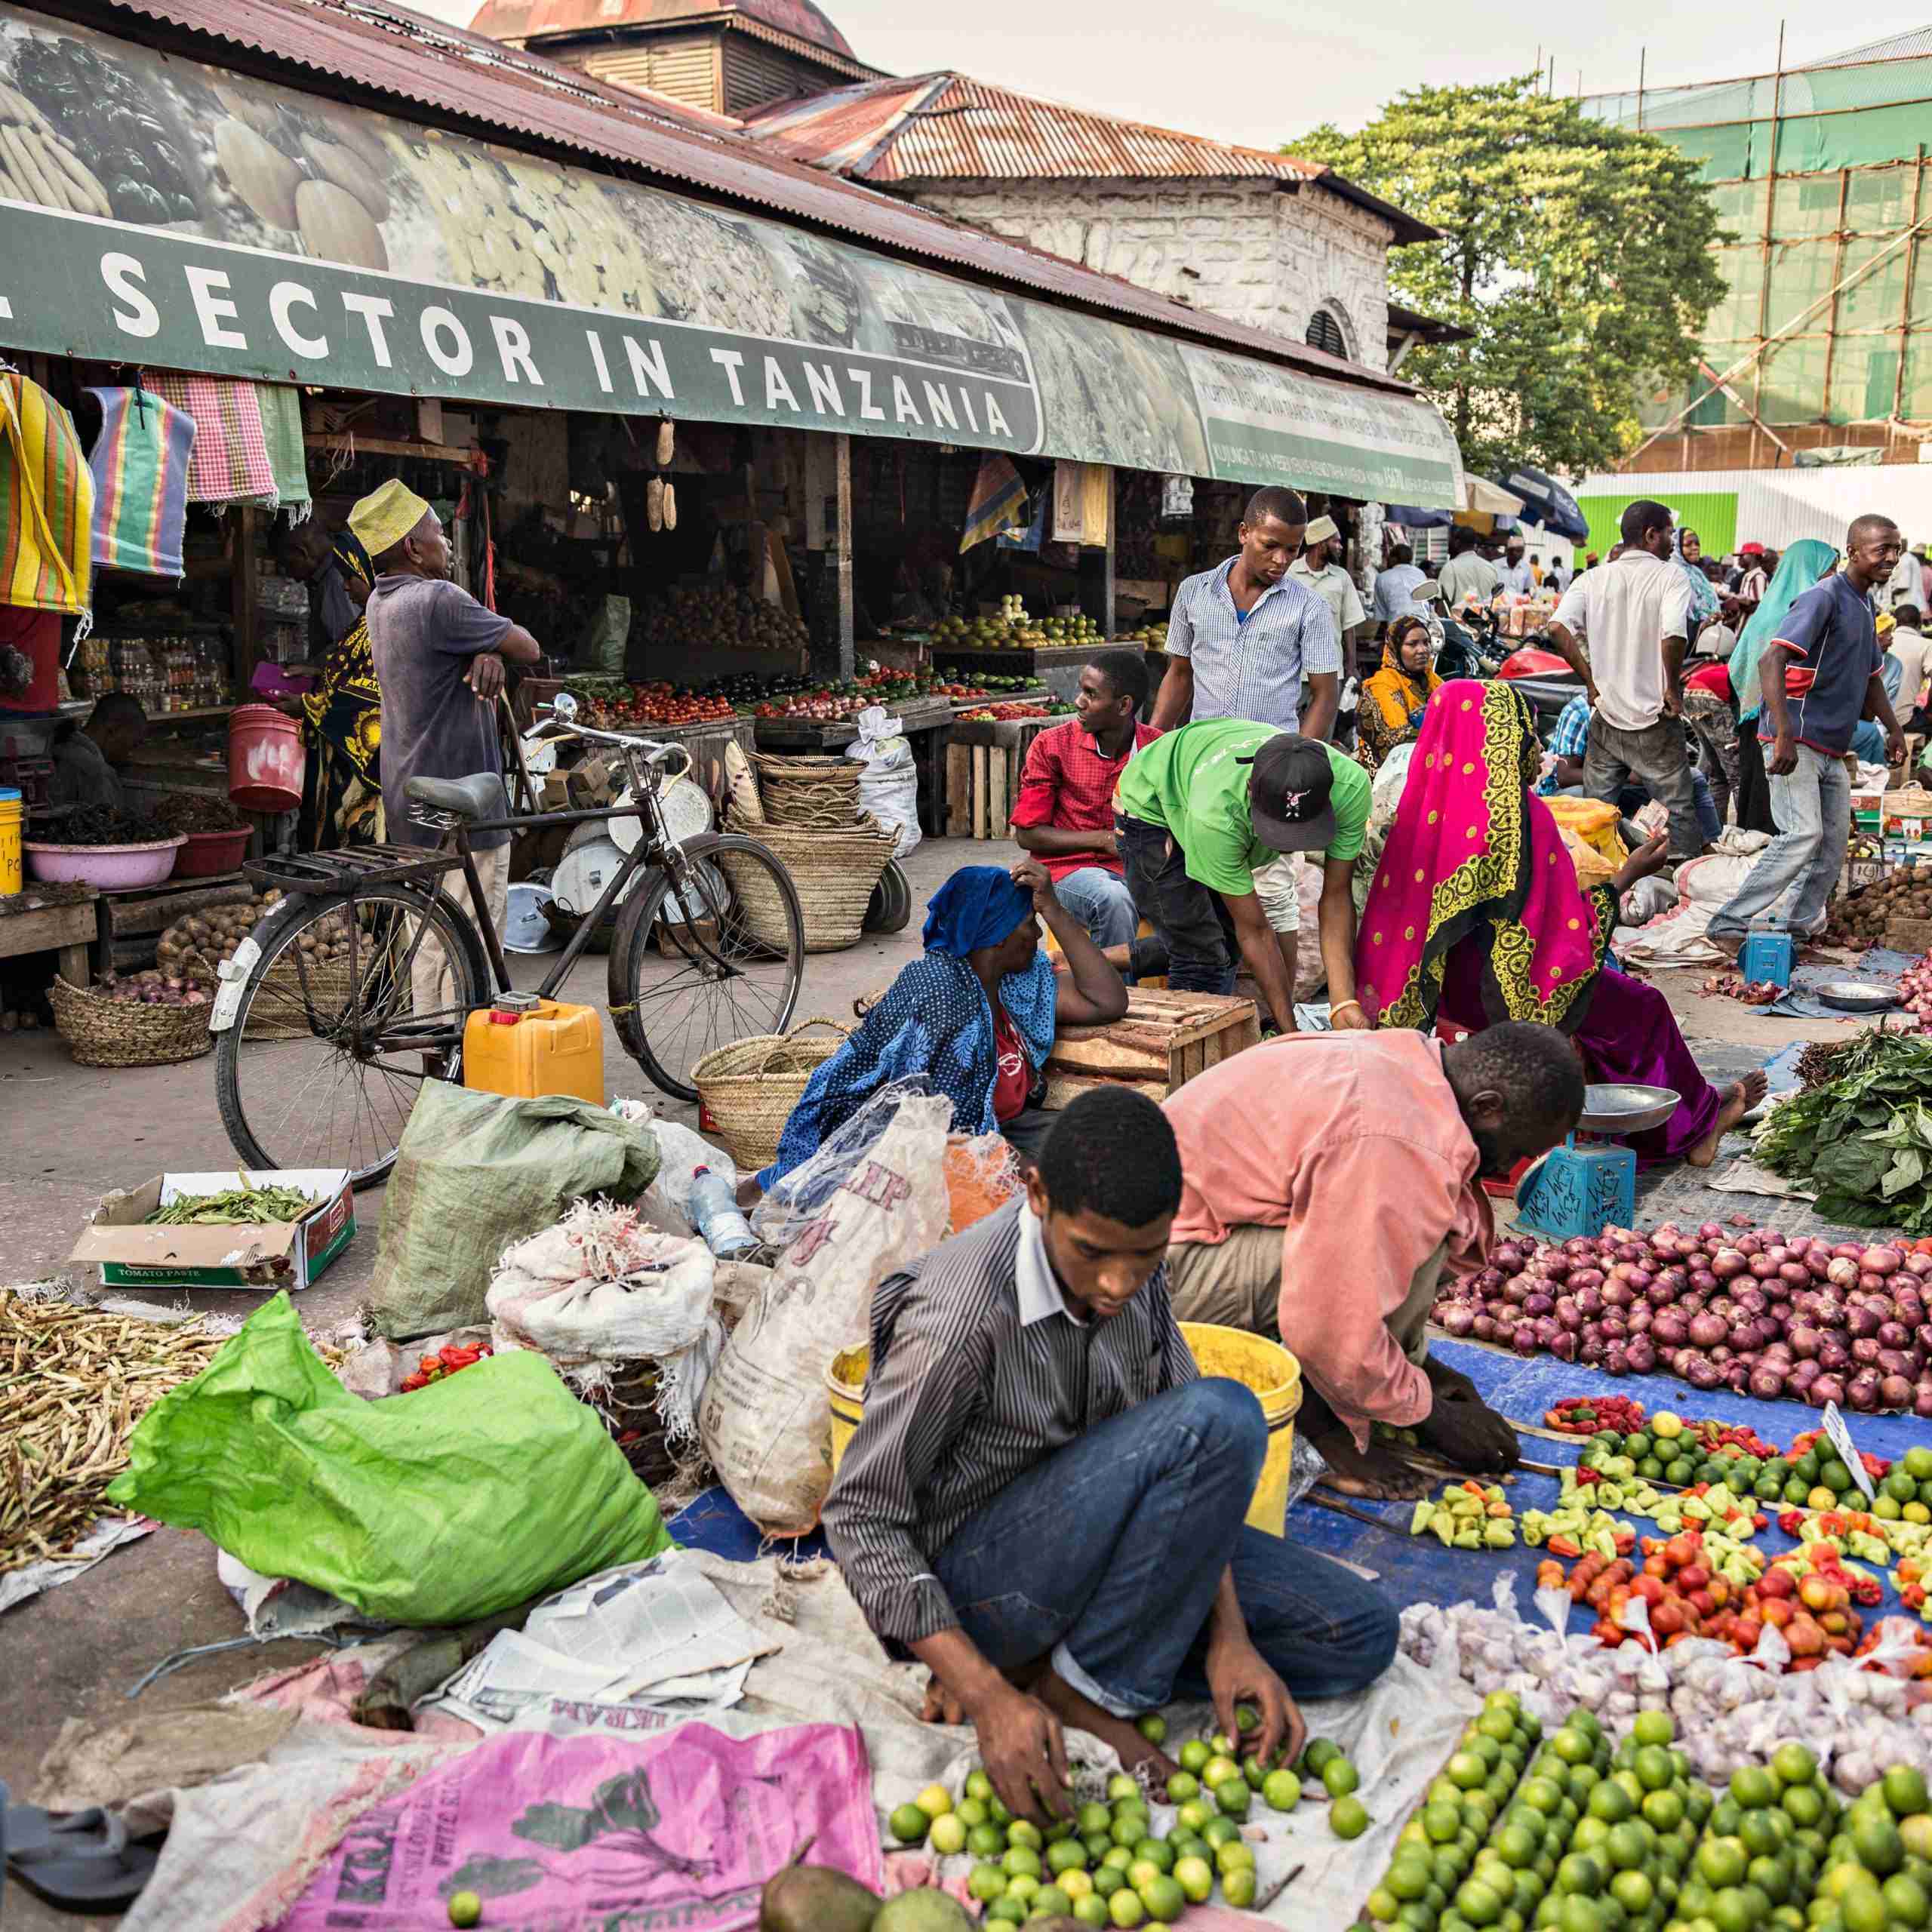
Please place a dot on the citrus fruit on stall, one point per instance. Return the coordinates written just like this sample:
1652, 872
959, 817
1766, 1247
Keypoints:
1340, 1777
1237, 1887
910, 1824
1195, 1877
1125, 1909
1904, 1787
1347, 1817
466, 1909
1164, 1900
1281, 1790
948, 1835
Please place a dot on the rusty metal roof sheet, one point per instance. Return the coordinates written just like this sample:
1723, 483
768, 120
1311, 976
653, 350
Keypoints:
532, 20
949, 127
381, 54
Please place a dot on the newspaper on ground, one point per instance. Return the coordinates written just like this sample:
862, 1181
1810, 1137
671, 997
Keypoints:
657, 1633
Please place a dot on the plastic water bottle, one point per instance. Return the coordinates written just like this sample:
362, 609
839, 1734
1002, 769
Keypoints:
715, 1214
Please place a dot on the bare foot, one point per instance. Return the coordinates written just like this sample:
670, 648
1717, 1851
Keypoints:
1083, 1714
1372, 1472
1740, 1098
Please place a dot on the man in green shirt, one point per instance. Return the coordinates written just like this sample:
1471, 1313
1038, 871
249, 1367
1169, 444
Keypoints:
1199, 811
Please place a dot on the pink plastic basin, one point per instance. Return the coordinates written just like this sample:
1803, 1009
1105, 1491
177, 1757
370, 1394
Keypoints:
108, 867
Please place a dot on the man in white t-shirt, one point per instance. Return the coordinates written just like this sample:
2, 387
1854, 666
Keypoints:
1516, 578
1468, 576
1909, 646
1635, 611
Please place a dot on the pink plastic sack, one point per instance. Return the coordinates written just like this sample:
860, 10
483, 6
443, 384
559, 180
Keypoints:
571, 1833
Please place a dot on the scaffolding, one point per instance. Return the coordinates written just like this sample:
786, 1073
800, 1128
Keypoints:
1820, 350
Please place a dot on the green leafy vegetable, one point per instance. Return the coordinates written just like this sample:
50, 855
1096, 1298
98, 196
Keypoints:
1863, 1138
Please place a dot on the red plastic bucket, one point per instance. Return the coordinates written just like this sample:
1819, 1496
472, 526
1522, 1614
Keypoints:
265, 760
208, 852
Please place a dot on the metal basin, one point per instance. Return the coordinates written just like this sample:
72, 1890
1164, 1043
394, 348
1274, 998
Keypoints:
1859, 995
1614, 1108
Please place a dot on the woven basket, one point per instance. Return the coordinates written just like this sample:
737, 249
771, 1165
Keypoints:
100, 1032
273, 1012
821, 793
749, 1088
834, 872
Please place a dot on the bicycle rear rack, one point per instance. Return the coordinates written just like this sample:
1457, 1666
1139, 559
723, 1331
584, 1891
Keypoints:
300, 873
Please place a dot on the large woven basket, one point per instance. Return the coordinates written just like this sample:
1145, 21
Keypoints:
100, 1032
279, 1009
834, 872
749, 1088
819, 793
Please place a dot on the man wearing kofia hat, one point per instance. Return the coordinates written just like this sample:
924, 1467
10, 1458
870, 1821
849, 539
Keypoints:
439, 661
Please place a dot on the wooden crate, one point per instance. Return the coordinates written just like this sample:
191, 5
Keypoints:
1166, 1039
1913, 935
130, 923
984, 758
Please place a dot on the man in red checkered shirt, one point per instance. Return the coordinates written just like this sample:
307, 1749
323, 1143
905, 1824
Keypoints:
1064, 813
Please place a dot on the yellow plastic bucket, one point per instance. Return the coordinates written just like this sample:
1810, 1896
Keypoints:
11, 815
845, 1385
1264, 1366
1274, 1375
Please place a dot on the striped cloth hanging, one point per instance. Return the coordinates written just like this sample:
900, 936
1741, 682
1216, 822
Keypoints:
46, 503
140, 462
230, 462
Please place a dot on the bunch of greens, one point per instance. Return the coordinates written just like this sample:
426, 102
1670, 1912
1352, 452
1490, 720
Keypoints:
1862, 1139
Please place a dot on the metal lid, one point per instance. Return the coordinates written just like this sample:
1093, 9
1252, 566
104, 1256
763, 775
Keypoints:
515, 1003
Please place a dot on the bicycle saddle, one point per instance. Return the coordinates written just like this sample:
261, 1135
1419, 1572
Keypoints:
480, 795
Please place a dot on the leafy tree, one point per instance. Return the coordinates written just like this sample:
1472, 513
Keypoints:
1578, 254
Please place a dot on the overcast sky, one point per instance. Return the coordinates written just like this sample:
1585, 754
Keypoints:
1257, 72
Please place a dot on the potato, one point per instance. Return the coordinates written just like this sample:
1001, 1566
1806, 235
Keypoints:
336, 227
262, 176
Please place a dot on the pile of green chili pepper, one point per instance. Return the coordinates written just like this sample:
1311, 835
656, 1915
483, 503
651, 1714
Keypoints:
235, 1206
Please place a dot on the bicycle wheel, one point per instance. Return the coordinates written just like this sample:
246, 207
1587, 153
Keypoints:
707, 956
327, 1051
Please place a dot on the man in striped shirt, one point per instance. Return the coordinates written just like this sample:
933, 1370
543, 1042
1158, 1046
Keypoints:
1044, 1500
1243, 635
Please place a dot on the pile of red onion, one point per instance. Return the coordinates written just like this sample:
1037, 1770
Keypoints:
1915, 991
1762, 1313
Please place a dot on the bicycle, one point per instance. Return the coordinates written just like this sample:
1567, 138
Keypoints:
322, 1037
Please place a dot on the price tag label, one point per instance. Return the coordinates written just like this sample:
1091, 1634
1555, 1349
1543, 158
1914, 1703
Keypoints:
1840, 1437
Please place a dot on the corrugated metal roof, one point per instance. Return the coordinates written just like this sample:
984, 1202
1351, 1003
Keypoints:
949, 127
532, 20
384, 52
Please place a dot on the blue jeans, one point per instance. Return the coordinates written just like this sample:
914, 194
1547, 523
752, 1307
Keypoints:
1867, 740
1107, 1554
1100, 901
1814, 805
1189, 921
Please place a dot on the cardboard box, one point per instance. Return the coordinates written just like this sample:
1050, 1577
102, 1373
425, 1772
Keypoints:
273, 1255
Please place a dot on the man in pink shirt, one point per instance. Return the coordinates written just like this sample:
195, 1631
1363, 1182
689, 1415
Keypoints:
1329, 1178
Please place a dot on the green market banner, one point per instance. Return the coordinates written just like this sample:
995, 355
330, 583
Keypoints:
155, 211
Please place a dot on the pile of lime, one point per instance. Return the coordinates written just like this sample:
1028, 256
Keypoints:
1218, 1775
1103, 1866
1877, 1861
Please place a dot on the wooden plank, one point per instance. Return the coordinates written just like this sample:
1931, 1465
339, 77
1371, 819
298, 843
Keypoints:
154, 908
1189, 1063
1063, 1089
46, 929
979, 779
959, 791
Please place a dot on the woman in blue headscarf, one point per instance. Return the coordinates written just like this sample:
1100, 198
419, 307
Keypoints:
1688, 548
1809, 561
974, 1015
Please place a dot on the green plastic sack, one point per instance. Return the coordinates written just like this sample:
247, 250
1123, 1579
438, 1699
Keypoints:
487, 1488
474, 1173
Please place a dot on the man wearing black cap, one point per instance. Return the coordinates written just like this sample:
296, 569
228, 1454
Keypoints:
1200, 810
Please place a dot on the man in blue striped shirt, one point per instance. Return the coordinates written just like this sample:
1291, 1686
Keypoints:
1243, 635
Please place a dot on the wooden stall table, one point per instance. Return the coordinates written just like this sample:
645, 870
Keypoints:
1165, 1040
50, 918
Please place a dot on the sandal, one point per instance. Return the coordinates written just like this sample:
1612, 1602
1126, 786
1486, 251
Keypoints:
81, 1860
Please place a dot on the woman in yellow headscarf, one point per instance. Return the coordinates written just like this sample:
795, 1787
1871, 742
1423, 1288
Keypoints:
1390, 713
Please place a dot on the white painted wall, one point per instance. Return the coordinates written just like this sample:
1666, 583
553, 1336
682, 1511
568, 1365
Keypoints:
1245, 250
1776, 507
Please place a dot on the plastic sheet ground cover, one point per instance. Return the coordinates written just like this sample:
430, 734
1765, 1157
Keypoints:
1419, 1570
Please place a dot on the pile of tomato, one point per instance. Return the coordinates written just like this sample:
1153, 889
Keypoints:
653, 704
445, 1362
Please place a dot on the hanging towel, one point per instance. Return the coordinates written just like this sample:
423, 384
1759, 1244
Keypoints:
230, 461
998, 501
140, 462
1067, 490
1095, 496
46, 503
288, 455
